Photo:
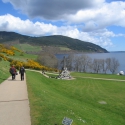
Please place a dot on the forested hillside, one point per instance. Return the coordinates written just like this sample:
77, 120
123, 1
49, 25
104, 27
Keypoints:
55, 40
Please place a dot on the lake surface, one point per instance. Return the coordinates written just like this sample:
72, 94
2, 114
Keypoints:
119, 56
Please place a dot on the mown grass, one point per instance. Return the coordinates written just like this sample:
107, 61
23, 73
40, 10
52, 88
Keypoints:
86, 101
52, 74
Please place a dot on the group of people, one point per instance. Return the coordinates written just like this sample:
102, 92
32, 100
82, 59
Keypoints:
13, 72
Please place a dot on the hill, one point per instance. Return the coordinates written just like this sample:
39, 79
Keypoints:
55, 40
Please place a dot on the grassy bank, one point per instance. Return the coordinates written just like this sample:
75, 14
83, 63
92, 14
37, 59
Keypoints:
5, 65
23, 57
4, 70
28, 47
86, 101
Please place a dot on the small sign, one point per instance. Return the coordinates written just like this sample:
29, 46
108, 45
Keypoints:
67, 121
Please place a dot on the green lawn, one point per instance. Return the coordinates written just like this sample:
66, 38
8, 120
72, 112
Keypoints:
85, 101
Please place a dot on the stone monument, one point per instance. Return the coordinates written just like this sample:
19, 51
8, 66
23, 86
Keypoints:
64, 74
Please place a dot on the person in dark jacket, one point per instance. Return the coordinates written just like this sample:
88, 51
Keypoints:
13, 72
22, 71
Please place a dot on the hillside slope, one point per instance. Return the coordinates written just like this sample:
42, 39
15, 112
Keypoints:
55, 40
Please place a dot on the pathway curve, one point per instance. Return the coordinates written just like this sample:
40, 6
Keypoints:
102, 78
14, 103
120, 80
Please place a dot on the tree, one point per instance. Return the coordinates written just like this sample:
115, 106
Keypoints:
107, 64
82, 63
48, 60
97, 65
69, 61
77, 63
103, 66
114, 64
85, 62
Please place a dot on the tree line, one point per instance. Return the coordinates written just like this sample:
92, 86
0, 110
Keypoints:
79, 63
83, 63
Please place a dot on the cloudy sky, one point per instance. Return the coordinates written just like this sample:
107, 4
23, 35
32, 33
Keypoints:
101, 22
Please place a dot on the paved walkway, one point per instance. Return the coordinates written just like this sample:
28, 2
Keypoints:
14, 103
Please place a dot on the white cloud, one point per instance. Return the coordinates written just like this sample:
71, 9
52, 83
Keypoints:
11, 23
52, 9
101, 17
93, 17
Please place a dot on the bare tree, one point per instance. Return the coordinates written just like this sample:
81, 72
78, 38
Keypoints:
97, 65
48, 60
103, 66
85, 62
107, 65
77, 63
69, 61
82, 63
114, 64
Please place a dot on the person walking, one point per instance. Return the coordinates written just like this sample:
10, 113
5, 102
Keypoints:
13, 72
22, 71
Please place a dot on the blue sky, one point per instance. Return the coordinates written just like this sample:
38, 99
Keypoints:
101, 22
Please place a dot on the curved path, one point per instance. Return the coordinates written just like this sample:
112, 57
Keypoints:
14, 103
102, 78
120, 80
